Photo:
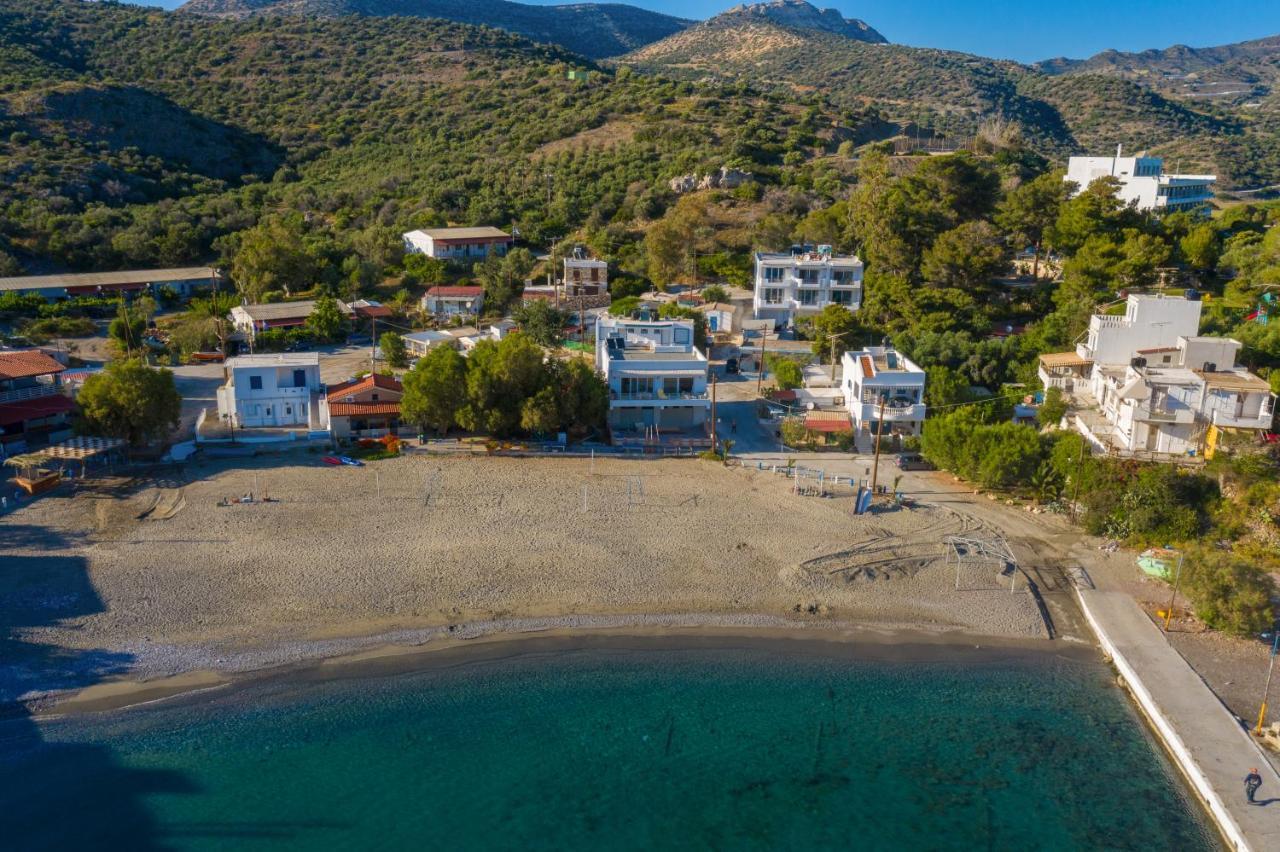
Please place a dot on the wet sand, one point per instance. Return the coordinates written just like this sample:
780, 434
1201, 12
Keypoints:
847, 642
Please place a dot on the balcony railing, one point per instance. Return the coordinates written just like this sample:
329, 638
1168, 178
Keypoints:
1262, 420
35, 392
643, 396
914, 411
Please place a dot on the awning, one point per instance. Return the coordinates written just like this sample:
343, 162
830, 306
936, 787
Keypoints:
34, 409
1063, 359
828, 421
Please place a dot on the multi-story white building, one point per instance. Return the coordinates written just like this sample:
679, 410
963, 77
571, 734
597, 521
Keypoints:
271, 390
1143, 182
881, 374
1146, 382
657, 378
1148, 322
804, 281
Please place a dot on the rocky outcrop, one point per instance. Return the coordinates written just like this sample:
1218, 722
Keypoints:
801, 15
725, 178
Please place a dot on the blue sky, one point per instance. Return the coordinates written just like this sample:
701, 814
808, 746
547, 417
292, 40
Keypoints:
1028, 30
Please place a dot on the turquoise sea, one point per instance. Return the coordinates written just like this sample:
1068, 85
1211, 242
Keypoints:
611, 748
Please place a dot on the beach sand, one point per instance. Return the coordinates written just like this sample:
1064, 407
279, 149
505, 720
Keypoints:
150, 578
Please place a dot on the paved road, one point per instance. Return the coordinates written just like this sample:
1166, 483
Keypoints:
1203, 732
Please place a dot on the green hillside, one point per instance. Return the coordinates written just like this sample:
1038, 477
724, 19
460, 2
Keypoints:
131, 136
953, 93
590, 29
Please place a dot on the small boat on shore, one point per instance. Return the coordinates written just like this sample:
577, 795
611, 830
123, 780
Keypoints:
1158, 562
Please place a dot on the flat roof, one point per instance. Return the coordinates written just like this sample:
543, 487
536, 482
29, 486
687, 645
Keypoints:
462, 233
103, 279
813, 257
276, 359
646, 355
1241, 381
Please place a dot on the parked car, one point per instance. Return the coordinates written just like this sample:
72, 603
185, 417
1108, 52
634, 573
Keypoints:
914, 461
731, 366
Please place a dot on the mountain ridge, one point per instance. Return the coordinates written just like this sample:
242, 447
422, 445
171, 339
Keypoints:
593, 30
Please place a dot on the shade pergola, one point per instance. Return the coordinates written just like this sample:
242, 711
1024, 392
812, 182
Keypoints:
81, 449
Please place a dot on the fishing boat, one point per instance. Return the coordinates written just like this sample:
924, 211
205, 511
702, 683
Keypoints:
1158, 562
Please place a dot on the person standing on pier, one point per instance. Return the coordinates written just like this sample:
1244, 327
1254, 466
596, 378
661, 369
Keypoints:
1252, 782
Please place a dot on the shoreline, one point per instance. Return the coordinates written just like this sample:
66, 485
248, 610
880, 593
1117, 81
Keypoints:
402, 651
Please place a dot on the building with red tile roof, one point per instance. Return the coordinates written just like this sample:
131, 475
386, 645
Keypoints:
34, 407
370, 404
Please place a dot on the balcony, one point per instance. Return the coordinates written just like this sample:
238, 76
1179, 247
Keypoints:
1165, 415
892, 413
1262, 420
35, 392
651, 397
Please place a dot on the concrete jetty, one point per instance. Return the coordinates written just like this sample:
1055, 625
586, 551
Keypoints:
1204, 738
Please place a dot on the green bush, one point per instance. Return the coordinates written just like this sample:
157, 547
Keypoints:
1228, 592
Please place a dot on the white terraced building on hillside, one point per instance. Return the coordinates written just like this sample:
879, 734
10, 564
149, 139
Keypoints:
1147, 383
804, 281
879, 374
1143, 182
657, 378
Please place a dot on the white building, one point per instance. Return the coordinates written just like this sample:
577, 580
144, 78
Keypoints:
803, 282
1147, 383
720, 316
249, 320
1148, 322
463, 301
879, 374
458, 243
657, 379
271, 390
419, 343
1143, 182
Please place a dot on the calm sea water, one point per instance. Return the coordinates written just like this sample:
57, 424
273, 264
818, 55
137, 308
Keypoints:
611, 749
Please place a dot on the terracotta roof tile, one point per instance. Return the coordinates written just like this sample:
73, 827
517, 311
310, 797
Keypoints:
373, 380
26, 363
358, 409
455, 291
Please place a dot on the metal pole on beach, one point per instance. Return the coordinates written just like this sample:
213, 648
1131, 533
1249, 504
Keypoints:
1266, 690
875, 469
1168, 616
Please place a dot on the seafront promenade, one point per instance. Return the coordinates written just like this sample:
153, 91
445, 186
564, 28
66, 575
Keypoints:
1205, 740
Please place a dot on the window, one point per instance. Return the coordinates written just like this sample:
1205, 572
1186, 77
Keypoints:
299, 378
842, 297
680, 335
808, 297
773, 296
810, 276
843, 277
255, 383
774, 274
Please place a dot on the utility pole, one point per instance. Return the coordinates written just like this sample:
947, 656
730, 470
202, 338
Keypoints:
1168, 616
764, 335
1266, 690
875, 468
715, 438
373, 345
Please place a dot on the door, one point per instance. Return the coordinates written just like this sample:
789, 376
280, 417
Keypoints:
299, 378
